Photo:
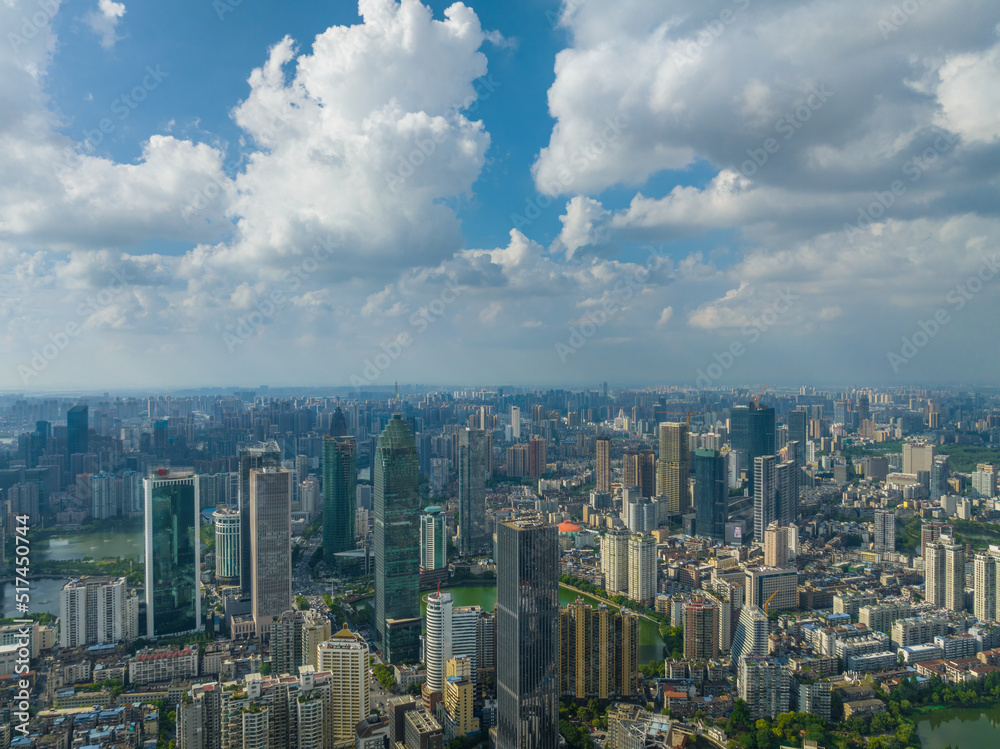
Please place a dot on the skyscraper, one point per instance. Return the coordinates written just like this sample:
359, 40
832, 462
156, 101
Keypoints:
77, 432
472, 491
172, 555
647, 473
614, 560
527, 634
674, 466
345, 656
786, 474
515, 422
760, 434
751, 633
433, 542
537, 458
986, 596
642, 567
765, 497
798, 432
271, 551
917, 458
259, 455
227, 546
604, 465
885, 530
776, 545
338, 424
437, 644
340, 479
711, 494
944, 575
397, 534
598, 651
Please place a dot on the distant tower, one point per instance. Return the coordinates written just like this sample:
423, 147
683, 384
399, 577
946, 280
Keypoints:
604, 465
433, 542
885, 530
227, 546
77, 432
397, 534
527, 622
472, 491
674, 468
340, 479
338, 425
515, 422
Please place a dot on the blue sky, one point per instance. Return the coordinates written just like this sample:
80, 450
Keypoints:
631, 191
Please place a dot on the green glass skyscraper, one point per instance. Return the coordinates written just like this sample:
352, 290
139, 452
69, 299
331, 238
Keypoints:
172, 535
340, 478
397, 533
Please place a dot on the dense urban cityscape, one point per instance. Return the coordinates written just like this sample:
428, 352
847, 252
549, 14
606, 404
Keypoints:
535, 374
422, 568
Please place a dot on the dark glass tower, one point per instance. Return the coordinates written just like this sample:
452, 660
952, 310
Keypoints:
173, 596
472, 490
338, 425
739, 428
797, 430
527, 622
761, 435
77, 431
340, 479
711, 494
259, 456
397, 531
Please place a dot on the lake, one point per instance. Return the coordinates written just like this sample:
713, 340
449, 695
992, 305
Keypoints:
650, 642
960, 727
114, 542
44, 597
117, 541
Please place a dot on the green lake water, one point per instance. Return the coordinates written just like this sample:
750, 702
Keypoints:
973, 728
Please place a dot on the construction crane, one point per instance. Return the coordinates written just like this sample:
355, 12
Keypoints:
689, 418
756, 398
767, 603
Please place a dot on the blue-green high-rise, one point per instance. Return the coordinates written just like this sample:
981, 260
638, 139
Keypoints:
173, 560
711, 494
340, 479
397, 534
